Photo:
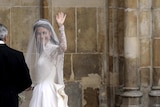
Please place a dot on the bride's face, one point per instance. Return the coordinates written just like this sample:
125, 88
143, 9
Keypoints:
43, 34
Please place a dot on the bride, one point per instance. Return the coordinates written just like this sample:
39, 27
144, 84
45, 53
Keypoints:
48, 84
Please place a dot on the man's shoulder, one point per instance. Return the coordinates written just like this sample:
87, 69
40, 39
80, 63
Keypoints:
15, 51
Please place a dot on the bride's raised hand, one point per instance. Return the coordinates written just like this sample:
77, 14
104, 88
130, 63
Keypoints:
60, 18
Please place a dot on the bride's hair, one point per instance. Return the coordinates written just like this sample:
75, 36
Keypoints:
46, 24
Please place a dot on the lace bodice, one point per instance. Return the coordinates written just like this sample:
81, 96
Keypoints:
50, 63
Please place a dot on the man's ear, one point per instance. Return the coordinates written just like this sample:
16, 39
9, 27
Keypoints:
5, 39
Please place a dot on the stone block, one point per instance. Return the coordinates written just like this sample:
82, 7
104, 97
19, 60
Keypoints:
145, 3
103, 96
155, 3
156, 76
67, 67
74, 92
130, 101
121, 70
10, 2
21, 26
145, 98
131, 47
116, 3
79, 3
131, 4
145, 52
101, 30
156, 52
91, 97
31, 2
111, 97
84, 64
116, 30
155, 23
130, 22
131, 77
145, 77
144, 23
120, 31
69, 27
86, 30
110, 64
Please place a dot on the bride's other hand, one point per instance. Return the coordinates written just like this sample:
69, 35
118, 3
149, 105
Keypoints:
60, 18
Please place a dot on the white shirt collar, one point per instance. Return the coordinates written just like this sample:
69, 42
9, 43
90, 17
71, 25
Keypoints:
1, 42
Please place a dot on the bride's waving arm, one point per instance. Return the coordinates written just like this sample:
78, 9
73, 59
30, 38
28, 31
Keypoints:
60, 18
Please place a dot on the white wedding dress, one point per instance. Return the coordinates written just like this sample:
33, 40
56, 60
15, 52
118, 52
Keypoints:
49, 86
47, 93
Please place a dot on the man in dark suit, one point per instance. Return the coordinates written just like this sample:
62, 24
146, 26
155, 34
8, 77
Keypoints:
14, 72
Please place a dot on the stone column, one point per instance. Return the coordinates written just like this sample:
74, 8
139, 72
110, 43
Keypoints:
44, 9
155, 89
131, 95
145, 40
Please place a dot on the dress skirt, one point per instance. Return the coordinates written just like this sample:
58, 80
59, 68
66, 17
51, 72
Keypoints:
47, 94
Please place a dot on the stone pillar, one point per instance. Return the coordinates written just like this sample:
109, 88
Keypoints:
115, 51
155, 90
131, 96
145, 41
44, 9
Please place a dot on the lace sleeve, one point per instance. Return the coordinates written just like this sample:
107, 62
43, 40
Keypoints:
62, 39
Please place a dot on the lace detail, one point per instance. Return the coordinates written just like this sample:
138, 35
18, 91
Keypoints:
62, 39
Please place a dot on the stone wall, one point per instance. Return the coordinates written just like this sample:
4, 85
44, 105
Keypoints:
113, 48
133, 78
85, 59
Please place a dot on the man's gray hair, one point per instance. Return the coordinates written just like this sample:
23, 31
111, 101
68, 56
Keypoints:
3, 31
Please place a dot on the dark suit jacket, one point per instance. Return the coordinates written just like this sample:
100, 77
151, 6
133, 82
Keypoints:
14, 76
